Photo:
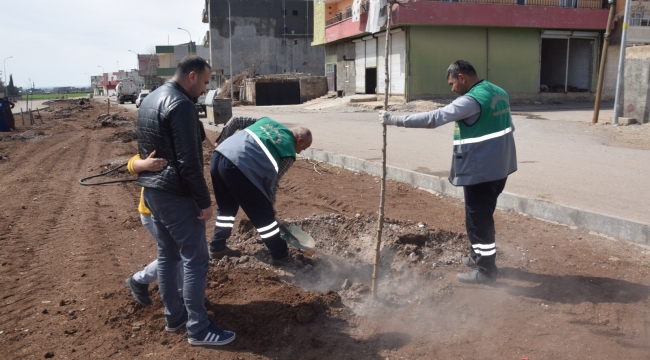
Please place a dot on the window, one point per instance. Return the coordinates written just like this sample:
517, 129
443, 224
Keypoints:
348, 12
639, 18
294, 12
569, 3
347, 73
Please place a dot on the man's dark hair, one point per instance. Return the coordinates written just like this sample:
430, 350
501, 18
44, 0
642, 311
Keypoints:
189, 64
460, 67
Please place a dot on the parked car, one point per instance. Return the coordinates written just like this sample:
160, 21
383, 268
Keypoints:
139, 99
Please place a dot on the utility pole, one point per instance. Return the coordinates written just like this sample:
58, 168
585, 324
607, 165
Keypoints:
621, 66
603, 60
232, 78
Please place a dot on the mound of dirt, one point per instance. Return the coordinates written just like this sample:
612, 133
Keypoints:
122, 136
115, 120
27, 135
345, 245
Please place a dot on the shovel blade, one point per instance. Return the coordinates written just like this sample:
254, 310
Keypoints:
296, 237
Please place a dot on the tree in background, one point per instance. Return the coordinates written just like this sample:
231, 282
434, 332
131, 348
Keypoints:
251, 62
2, 87
11, 89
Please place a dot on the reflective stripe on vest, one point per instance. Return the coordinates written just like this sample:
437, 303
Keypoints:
266, 151
483, 138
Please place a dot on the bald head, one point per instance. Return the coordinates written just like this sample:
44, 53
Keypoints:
301, 139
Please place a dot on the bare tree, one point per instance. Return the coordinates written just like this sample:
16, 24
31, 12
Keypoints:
382, 198
251, 62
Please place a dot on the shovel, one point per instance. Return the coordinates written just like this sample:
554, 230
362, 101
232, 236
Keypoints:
296, 237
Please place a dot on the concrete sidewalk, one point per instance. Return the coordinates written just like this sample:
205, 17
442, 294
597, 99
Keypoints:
565, 172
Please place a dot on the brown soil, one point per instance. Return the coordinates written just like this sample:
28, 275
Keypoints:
65, 250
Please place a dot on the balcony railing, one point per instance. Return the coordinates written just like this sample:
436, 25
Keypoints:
576, 4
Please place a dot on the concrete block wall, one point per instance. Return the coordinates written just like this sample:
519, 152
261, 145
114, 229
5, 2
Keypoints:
259, 36
312, 88
334, 54
636, 96
611, 72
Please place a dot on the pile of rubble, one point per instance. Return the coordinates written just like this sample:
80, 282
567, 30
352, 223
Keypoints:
114, 120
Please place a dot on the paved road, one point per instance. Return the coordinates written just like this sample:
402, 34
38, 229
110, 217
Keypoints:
560, 161
36, 104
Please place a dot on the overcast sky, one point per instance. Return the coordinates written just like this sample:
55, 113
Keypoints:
61, 43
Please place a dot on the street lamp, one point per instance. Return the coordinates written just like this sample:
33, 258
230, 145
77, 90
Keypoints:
5, 67
232, 98
137, 64
190, 46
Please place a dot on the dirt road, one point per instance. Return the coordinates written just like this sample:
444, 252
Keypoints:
66, 249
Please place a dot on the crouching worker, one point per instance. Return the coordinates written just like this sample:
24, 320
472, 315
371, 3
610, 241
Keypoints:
246, 169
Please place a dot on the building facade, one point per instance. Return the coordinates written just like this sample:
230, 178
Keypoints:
170, 55
525, 46
268, 37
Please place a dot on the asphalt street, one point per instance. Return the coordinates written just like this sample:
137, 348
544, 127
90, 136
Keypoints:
559, 158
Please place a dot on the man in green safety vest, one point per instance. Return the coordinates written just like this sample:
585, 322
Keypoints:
484, 155
246, 168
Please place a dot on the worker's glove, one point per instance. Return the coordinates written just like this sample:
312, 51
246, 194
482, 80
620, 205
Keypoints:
385, 118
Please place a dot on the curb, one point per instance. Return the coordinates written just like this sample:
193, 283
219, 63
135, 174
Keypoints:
601, 224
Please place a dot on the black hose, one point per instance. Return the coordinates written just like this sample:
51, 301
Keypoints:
81, 181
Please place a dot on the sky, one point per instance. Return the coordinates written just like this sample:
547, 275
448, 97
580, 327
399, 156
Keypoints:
64, 42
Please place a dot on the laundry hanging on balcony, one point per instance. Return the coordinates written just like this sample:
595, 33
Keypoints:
376, 16
356, 10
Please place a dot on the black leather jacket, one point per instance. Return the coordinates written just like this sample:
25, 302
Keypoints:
169, 123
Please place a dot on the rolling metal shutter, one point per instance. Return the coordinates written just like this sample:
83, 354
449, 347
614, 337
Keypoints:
396, 63
360, 67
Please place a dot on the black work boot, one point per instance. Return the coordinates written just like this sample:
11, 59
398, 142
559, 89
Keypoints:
226, 251
476, 277
468, 261
288, 260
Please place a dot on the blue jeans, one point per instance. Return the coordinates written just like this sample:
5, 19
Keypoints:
179, 233
150, 273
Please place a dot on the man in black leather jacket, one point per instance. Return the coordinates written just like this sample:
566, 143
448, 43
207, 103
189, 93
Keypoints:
179, 199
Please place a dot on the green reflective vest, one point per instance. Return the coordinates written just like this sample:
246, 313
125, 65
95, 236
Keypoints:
484, 151
495, 117
275, 139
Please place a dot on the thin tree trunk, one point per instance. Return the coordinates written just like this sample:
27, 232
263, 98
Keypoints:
380, 226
